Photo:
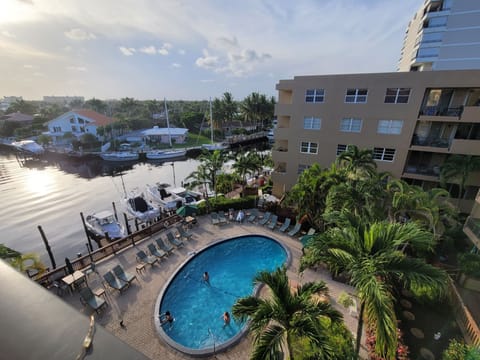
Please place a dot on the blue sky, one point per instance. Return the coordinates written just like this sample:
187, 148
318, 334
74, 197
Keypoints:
191, 49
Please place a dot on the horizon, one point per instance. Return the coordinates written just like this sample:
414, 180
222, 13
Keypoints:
190, 51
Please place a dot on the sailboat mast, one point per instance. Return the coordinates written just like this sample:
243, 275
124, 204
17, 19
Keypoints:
211, 121
168, 124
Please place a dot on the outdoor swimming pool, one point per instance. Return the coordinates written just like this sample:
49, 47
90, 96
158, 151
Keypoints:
197, 307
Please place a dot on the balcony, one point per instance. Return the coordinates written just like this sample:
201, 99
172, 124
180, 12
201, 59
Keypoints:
430, 141
471, 228
423, 170
283, 109
441, 111
466, 147
471, 114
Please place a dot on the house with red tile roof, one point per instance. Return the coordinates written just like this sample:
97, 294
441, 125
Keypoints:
76, 122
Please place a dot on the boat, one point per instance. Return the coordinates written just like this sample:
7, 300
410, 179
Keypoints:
214, 146
104, 222
160, 194
28, 146
190, 197
165, 154
119, 156
140, 208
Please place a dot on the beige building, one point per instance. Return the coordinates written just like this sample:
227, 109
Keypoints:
443, 35
412, 120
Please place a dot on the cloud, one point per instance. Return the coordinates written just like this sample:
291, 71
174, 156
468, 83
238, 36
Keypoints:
182, 52
7, 34
127, 51
79, 34
77, 68
207, 61
167, 46
149, 50
28, 66
176, 65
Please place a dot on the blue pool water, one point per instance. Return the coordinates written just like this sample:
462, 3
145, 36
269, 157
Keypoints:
197, 307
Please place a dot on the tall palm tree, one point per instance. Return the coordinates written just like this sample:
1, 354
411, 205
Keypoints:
286, 315
357, 161
212, 163
458, 168
371, 256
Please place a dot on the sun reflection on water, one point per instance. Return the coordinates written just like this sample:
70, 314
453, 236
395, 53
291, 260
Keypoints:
39, 183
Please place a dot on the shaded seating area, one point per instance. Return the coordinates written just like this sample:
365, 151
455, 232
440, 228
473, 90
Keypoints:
253, 216
145, 259
273, 222
285, 225
154, 251
114, 282
266, 218
121, 274
164, 246
87, 297
171, 239
184, 234
295, 229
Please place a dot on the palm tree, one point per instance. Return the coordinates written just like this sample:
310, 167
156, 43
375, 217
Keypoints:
358, 162
212, 163
370, 255
458, 168
285, 316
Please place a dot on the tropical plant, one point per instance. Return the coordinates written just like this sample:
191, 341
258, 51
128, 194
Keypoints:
458, 350
22, 106
286, 315
22, 262
96, 105
371, 256
44, 139
358, 163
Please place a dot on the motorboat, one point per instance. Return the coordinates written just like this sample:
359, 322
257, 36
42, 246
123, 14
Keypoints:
28, 146
190, 197
164, 154
160, 194
140, 208
104, 222
119, 156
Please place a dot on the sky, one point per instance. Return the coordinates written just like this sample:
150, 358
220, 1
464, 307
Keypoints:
191, 49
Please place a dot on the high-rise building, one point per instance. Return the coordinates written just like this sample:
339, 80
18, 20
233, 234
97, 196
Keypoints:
443, 35
411, 120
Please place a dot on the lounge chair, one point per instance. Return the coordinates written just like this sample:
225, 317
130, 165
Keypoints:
273, 222
145, 259
221, 218
184, 234
87, 297
285, 225
114, 282
122, 275
295, 229
265, 219
253, 215
214, 217
164, 246
171, 239
154, 251
304, 239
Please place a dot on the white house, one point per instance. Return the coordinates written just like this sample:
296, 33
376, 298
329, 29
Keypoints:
156, 134
77, 122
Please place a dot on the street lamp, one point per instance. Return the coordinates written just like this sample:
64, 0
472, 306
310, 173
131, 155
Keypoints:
173, 169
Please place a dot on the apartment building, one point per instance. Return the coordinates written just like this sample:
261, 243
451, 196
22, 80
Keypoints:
443, 35
412, 121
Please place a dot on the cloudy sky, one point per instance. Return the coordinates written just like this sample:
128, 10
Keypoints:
191, 49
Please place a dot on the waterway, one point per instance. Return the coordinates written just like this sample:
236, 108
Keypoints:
53, 193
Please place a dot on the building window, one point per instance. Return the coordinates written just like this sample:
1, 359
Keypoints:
74, 128
315, 95
57, 129
311, 123
351, 125
356, 96
390, 127
341, 149
302, 168
309, 148
72, 121
383, 154
397, 95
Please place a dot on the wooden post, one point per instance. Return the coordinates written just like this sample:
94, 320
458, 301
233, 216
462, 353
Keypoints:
136, 224
86, 231
127, 226
115, 210
47, 246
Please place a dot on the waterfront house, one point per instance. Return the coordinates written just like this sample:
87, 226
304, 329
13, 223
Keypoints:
162, 135
76, 122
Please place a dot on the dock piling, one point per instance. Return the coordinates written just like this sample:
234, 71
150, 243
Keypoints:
47, 247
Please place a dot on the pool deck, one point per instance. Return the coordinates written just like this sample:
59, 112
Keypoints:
135, 306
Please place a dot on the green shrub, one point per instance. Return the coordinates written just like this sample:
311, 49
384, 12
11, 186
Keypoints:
469, 264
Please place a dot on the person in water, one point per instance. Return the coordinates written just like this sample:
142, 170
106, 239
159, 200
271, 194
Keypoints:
206, 277
226, 318
166, 318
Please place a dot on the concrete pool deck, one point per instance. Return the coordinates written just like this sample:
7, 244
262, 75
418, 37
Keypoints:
135, 306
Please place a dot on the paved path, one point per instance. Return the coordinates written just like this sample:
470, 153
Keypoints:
136, 305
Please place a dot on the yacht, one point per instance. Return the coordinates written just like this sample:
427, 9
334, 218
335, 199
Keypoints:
28, 146
104, 222
140, 208
161, 194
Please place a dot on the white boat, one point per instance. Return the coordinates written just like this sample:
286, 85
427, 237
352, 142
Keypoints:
105, 222
119, 156
214, 146
164, 154
190, 197
160, 194
140, 208
28, 146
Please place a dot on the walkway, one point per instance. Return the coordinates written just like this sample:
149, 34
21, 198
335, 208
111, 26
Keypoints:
136, 305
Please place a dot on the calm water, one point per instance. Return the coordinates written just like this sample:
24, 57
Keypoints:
198, 307
52, 194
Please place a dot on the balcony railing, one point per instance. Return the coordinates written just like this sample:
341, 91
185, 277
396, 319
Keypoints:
441, 111
473, 224
429, 170
430, 141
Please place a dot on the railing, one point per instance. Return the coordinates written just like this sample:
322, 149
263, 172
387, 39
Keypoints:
430, 141
441, 111
464, 318
110, 249
473, 224
422, 170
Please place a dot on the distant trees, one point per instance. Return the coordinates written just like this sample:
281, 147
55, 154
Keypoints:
96, 105
25, 107
258, 109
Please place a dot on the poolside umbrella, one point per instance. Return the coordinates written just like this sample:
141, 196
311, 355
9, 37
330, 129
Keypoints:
69, 266
187, 210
